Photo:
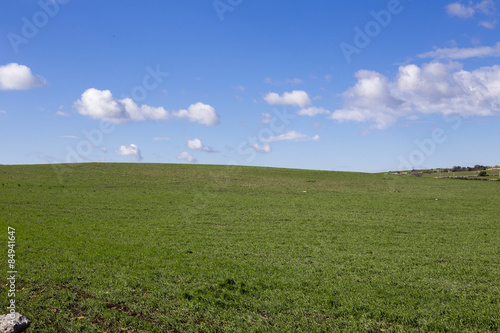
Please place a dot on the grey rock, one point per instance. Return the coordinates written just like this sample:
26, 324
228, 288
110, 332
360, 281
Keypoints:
14, 323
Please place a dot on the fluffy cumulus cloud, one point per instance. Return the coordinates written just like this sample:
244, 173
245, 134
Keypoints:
18, 77
185, 156
463, 53
199, 113
130, 150
291, 136
196, 144
432, 88
296, 98
101, 104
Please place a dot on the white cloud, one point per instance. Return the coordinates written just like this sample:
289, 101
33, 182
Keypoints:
266, 118
18, 77
161, 138
312, 111
70, 137
148, 112
185, 156
196, 144
265, 148
130, 150
485, 7
296, 97
291, 136
460, 10
369, 99
463, 53
3, 112
432, 88
199, 113
62, 114
100, 104
488, 24
293, 81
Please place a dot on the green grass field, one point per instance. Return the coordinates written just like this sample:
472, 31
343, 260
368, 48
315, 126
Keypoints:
195, 248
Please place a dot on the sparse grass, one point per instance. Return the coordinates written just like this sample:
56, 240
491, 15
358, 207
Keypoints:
182, 248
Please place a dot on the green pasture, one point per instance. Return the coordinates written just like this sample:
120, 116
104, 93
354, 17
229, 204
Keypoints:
199, 248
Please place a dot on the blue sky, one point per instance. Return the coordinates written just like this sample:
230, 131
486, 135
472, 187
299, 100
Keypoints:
354, 85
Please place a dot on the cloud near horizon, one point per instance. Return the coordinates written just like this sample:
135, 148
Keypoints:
432, 88
264, 148
196, 144
18, 77
101, 104
185, 156
130, 150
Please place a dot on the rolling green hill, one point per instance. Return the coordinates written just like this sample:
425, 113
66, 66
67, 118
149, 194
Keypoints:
198, 248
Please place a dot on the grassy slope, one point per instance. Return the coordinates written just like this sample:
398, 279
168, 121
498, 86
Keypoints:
155, 248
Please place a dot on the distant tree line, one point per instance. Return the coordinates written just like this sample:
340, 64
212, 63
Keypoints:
476, 167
